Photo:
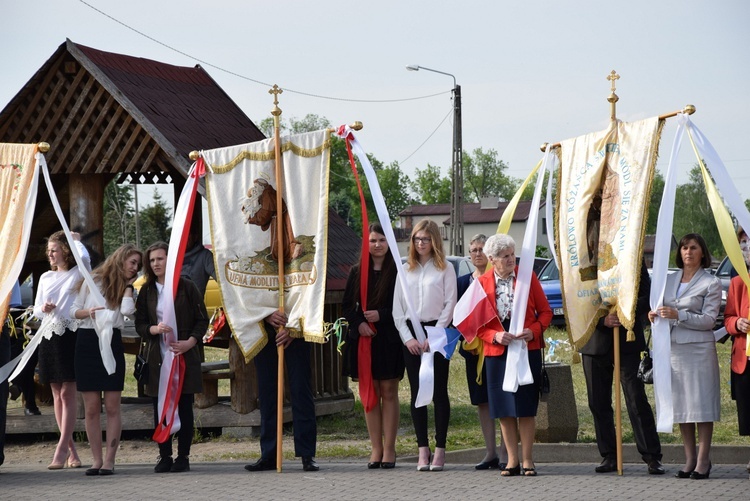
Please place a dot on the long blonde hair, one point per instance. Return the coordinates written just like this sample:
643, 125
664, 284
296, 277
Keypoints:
438, 254
110, 275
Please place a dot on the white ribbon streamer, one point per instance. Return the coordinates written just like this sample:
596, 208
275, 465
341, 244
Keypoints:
660, 330
517, 369
437, 339
103, 326
426, 371
166, 303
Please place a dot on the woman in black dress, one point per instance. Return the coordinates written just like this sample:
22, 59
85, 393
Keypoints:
114, 278
192, 322
387, 358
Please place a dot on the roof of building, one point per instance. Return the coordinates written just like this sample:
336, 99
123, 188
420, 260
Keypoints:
107, 113
473, 213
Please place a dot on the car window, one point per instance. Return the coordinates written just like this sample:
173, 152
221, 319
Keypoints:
550, 271
725, 269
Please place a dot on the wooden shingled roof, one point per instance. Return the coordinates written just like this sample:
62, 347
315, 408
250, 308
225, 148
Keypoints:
106, 113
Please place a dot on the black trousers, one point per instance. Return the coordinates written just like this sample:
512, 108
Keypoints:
298, 369
185, 435
599, 373
25, 380
439, 399
4, 359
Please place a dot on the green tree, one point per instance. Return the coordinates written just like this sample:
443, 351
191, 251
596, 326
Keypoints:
693, 213
119, 224
430, 187
484, 175
657, 190
154, 221
395, 183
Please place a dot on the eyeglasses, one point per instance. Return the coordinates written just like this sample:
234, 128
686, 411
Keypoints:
476, 251
422, 240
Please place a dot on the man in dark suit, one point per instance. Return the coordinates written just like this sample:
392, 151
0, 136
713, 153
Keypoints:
297, 357
598, 368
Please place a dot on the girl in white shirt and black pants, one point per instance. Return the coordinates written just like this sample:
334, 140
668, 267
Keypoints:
431, 282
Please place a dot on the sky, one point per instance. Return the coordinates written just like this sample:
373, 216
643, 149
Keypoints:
530, 72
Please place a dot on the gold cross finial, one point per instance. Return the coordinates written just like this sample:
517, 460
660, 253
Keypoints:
612, 77
275, 90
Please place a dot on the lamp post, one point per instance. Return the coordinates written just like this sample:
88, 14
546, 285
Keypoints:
456, 240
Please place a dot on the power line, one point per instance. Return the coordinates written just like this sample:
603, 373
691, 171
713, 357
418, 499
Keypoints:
400, 100
428, 137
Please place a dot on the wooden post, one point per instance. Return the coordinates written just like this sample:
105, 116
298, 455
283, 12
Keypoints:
86, 197
276, 112
244, 385
618, 404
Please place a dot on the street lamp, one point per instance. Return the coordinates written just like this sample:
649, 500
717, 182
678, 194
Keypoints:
456, 240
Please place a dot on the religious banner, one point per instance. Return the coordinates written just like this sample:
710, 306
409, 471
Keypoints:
18, 187
605, 182
241, 190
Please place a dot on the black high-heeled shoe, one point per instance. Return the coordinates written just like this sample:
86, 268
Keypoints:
683, 474
487, 465
511, 472
696, 475
373, 465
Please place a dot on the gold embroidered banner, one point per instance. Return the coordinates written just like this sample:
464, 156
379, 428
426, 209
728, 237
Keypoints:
17, 167
605, 181
241, 187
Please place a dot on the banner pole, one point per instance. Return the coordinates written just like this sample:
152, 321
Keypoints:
276, 112
689, 109
618, 404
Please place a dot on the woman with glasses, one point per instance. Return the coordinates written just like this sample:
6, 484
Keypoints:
478, 391
431, 284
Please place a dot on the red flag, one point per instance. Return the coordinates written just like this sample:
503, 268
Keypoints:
472, 311
364, 349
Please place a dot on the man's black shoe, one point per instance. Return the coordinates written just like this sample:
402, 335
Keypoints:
163, 466
262, 464
182, 463
309, 464
655, 467
607, 465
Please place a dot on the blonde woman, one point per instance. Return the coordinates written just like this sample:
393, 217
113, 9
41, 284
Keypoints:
54, 295
431, 282
114, 278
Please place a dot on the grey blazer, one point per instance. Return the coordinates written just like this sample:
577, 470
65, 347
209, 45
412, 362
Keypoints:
697, 307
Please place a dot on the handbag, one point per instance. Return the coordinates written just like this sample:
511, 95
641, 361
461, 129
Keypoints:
646, 367
544, 386
140, 368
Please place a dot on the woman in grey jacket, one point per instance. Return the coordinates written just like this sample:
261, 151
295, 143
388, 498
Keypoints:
192, 322
692, 298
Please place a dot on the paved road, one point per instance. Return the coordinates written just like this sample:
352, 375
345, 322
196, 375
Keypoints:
352, 481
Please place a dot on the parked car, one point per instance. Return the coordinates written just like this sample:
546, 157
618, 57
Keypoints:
724, 272
461, 264
550, 279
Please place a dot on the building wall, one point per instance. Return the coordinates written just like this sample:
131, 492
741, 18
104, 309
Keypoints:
517, 230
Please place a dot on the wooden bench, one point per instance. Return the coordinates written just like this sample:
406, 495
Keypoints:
211, 373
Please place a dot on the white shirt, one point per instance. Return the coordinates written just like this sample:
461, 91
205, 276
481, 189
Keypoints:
432, 293
84, 300
58, 287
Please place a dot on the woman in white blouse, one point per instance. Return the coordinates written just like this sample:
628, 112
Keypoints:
54, 295
114, 278
431, 282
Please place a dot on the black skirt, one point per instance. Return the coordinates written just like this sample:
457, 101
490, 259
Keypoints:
387, 357
56, 358
90, 372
